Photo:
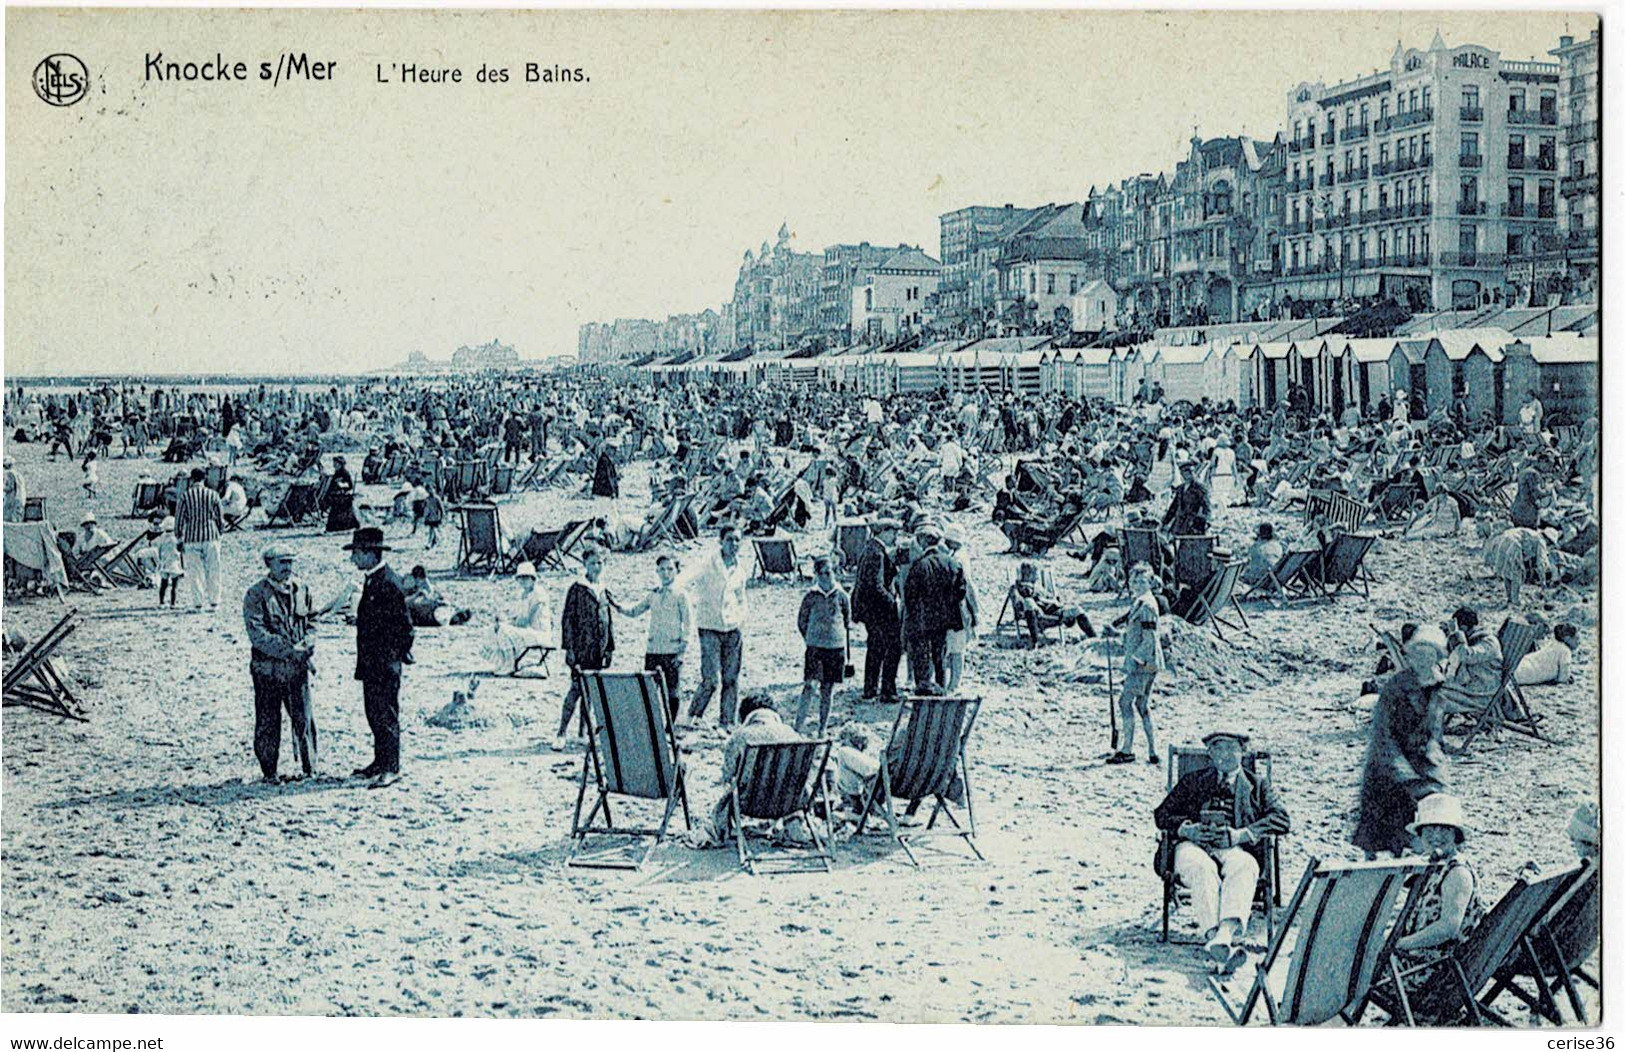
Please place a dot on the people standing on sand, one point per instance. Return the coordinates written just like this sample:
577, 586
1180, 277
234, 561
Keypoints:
1219, 817
383, 643
341, 499
587, 632
825, 623
717, 588
276, 610
91, 475
1404, 759
671, 618
16, 492
170, 570
958, 639
933, 597
199, 522
1142, 660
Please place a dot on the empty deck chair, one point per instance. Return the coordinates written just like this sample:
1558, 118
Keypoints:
1338, 925
501, 476
33, 681
1567, 938
297, 505
925, 760
1507, 707
632, 753
776, 557
1343, 563
1188, 759
480, 550
1451, 992
570, 538
1207, 605
778, 783
1316, 504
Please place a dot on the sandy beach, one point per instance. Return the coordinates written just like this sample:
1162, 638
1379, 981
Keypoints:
146, 869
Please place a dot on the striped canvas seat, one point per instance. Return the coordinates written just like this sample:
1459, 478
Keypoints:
778, 783
632, 753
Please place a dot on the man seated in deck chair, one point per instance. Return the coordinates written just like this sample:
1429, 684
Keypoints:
759, 724
1220, 816
1037, 608
234, 502
1265, 552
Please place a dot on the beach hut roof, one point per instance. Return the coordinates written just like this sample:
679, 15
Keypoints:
1097, 355
1374, 349
1563, 348
1459, 343
1277, 349
1190, 355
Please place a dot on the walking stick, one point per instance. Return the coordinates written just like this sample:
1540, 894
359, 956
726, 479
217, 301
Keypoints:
1111, 691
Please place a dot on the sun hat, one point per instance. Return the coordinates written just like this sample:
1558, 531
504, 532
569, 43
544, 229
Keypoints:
954, 534
168, 523
524, 569
89, 517
1234, 735
1439, 809
276, 550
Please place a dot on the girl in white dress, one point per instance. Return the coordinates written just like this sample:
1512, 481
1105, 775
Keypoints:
526, 621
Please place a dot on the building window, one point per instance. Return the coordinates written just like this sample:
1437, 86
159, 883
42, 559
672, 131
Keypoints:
1469, 189
1400, 151
1382, 248
1515, 196
1515, 151
1514, 244
1364, 157
1469, 144
1469, 97
1427, 144
1515, 100
1468, 241
1365, 115
1547, 199
1427, 97
1399, 103
1548, 106
1049, 285
1072, 281
1382, 109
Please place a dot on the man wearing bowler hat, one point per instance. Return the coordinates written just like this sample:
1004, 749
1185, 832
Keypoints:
1219, 816
383, 642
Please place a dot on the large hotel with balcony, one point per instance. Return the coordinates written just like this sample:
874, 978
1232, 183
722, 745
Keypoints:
1421, 181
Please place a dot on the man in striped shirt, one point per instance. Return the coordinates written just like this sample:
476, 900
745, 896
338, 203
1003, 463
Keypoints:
198, 525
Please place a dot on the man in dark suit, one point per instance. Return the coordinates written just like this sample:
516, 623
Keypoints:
874, 605
1219, 817
383, 641
1190, 511
933, 598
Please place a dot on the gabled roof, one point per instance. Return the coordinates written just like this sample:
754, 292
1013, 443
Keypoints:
1096, 288
1375, 349
1414, 351
911, 259
1277, 349
1459, 343
1193, 355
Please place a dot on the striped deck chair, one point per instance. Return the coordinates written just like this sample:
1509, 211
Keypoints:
1317, 504
570, 539
1346, 514
1188, 759
394, 467
776, 557
32, 680
631, 752
1563, 942
778, 783
1450, 993
1193, 559
297, 505
1338, 926
480, 550
84, 571
1207, 604
1507, 707
923, 761
1343, 564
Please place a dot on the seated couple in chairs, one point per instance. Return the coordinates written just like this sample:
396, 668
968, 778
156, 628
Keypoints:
1219, 822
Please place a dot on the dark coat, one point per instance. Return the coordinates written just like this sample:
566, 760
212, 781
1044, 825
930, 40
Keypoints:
1256, 808
606, 477
934, 594
275, 631
1189, 512
874, 593
383, 629
1404, 762
587, 631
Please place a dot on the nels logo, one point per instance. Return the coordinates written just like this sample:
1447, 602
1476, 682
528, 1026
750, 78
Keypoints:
61, 79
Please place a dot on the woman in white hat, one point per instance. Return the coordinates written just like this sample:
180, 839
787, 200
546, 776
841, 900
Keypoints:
525, 621
1447, 907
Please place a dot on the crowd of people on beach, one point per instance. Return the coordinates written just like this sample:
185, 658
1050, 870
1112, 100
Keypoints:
884, 500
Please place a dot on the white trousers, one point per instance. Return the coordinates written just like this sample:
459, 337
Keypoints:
202, 562
1221, 882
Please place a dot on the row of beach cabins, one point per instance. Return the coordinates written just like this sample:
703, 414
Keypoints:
1491, 368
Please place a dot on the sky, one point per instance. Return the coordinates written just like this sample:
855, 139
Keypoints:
338, 226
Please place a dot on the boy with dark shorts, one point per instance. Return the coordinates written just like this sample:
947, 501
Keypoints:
824, 621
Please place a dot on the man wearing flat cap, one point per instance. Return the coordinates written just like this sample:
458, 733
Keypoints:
933, 600
276, 611
874, 605
1220, 816
383, 642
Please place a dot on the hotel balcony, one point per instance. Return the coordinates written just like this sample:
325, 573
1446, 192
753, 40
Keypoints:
1514, 210
1472, 114
1574, 185
1420, 115
1471, 160
1517, 162
1528, 116
1354, 175
1471, 259
1470, 208
1354, 133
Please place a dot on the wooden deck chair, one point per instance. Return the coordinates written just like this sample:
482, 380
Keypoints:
480, 549
1451, 993
570, 539
631, 752
923, 761
1318, 502
1193, 559
1565, 939
776, 557
394, 467
1209, 602
33, 681
501, 476
119, 566
1140, 546
1188, 759
1346, 514
84, 570
1507, 707
148, 496
1339, 925
656, 526
298, 505
1343, 564
541, 548
779, 783
541, 652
